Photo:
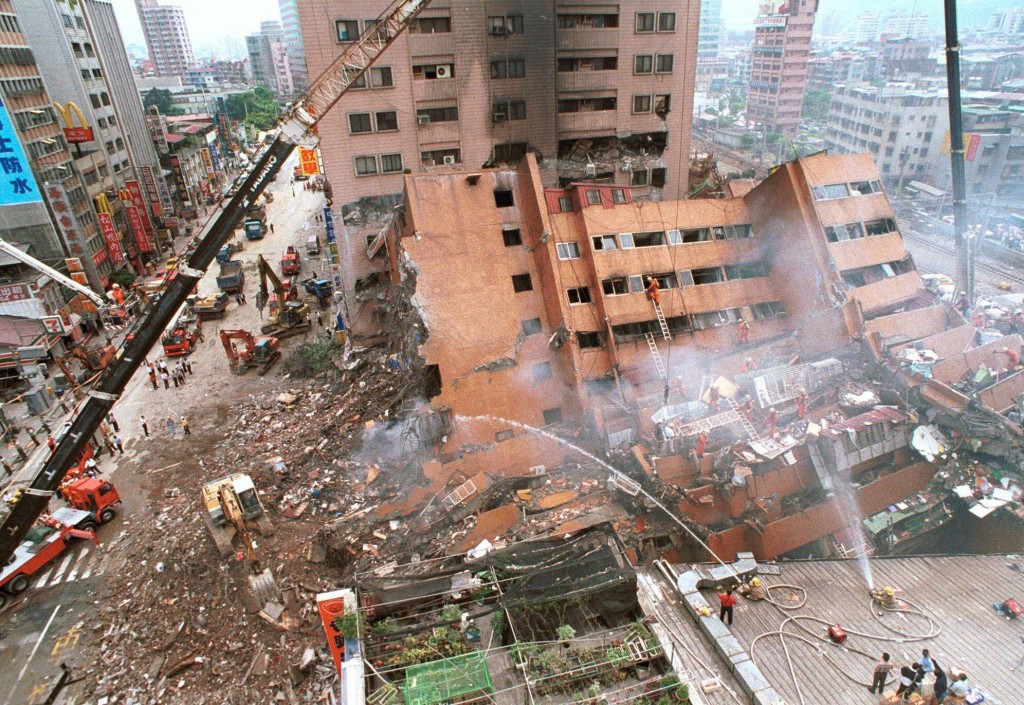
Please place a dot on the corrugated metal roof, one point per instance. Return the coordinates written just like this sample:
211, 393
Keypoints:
879, 414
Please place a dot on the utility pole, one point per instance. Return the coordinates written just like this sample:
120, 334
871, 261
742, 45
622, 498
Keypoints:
964, 260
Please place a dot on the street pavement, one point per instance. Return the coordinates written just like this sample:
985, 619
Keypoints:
53, 620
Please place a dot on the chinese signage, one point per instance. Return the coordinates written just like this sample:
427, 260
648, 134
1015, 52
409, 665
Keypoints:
138, 229
332, 250
69, 229
74, 135
154, 195
110, 235
308, 161
135, 192
179, 180
17, 185
14, 292
332, 606
215, 157
770, 21
971, 144
75, 270
207, 161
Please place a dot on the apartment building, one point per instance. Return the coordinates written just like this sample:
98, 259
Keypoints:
167, 37
599, 92
782, 45
296, 51
826, 69
559, 274
869, 24
268, 56
899, 126
709, 38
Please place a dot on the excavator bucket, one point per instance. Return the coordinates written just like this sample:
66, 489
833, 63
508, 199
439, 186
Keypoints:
264, 588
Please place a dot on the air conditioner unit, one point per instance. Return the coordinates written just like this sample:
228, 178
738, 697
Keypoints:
444, 70
449, 159
590, 170
423, 119
499, 117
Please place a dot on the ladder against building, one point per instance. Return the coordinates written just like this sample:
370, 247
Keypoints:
658, 363
748, 427
661, 321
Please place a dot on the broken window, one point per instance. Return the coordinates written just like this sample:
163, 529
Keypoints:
675, 237
552, 416
510, 152
639, 178
588, 339
542, 371
531, 326
508, 68
651, 239
593, 197
665, 281
880, 226
439, 157
714, 319
749, 270
565, 206
697, 235
512, 237
823, 193
768, 309
842, 233
583, 105
618, 195
568, 250
662, 104
615, 287
431, 381
636, 283
731, 232
580, 21
425, 116
678, 324
521, 282
604, 242
578, 295
502, 110
865, 188
707, 275
658, 176
503, 198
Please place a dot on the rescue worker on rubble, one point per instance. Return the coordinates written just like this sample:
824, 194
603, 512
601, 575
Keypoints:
754, 591
1013, 358
702, 444
678, 388
748, 409
713, 396
978, 319
963, 304
652, 291
749, 365
772, 421
743, 331
885, 597
802, 400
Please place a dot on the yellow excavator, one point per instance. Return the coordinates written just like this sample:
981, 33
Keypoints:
288, 314
232, 503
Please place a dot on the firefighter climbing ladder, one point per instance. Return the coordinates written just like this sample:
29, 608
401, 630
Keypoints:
748, 427
661, 321
658, 363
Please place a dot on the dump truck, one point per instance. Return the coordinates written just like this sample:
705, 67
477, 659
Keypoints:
231, 503
181, 337
255, 224
290, 262
228, 251
210, 307
320, 288
231, 278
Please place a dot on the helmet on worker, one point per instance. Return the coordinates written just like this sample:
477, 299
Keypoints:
756, 582
889, 590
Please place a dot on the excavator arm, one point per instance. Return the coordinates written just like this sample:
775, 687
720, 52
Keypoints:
267, 273
296, 127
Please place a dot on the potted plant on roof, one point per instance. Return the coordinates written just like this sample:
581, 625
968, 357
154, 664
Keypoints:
682, 693
565, 633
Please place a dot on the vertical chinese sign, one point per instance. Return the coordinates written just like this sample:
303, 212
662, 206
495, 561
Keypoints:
179, 181
308, 161
17, 185
71, 233
138, 217
332, 250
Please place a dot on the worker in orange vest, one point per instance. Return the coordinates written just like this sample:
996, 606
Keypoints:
702, 444
652, 291
749, 365
1013, 358
748, 409
678, 388
713, 396
743, 331
801, 404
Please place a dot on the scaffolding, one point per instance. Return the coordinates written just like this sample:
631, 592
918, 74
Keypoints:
460, 679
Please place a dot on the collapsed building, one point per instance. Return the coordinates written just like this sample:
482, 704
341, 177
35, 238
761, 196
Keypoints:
769, 352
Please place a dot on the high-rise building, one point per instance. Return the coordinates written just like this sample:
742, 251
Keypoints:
869, 25
902, 24
293, 41
1007, 21
268, 56
782, 44
170, 48
709, 38
599, 92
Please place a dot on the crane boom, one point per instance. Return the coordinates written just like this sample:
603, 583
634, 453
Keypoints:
49, 271
296, 127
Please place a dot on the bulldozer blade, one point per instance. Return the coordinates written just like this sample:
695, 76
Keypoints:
264, 588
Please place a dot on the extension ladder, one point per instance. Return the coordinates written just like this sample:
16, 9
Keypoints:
748, 427
661, 321
657, 356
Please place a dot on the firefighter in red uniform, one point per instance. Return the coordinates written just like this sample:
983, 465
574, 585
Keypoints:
652, 291
748, 410
713, 396
743, 331
801, 404
678, 388
1013, 358
702, 444
749, 365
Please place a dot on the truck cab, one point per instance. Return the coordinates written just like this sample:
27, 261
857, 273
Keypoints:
255, 229
290, 262
94, 495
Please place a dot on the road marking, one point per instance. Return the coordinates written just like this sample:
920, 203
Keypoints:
41, 582
78, 564
60, 569
35, 648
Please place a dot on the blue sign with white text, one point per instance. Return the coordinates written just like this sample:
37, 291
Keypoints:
17, 184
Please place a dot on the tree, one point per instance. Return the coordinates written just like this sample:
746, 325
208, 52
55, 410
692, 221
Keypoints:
816, 105
736, 104
257, 107
772, 138
161, 99
748, 139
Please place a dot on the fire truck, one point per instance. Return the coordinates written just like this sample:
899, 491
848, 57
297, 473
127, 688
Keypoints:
182, 335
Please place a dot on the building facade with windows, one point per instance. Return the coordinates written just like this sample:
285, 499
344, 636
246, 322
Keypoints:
560, 275
167, 37
598, 92
293, 40
781, 51
268, 56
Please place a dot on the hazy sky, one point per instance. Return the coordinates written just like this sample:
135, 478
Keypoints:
211, 21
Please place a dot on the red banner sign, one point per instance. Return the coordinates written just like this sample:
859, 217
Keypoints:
139, 201
308, 161
99, 257
13, 292
110, 235
332, 606
77, 135
135, 220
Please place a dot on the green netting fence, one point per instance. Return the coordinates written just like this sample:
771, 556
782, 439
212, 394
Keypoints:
448, 680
